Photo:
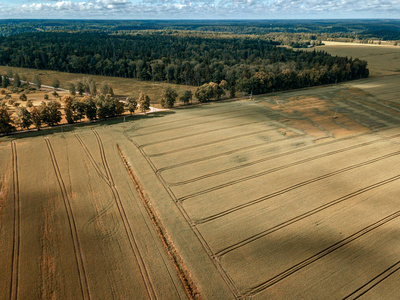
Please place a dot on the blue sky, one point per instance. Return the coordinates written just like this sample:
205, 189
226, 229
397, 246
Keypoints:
199, 9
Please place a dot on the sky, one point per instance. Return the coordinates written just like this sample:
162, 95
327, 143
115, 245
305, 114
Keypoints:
199, 9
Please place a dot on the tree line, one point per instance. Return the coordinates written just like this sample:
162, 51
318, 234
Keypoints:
183, 59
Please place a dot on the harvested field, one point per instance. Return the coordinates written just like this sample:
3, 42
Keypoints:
288, 193
288, 196
382, 59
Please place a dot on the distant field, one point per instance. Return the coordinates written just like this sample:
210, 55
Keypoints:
270, 198
382, 59
121, 86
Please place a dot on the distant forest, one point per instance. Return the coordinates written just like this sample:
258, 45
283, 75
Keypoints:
248, 64
323, 29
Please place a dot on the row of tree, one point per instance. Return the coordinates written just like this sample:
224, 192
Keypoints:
75, 109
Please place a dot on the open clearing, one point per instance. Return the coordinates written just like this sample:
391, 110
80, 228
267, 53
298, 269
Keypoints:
287, 196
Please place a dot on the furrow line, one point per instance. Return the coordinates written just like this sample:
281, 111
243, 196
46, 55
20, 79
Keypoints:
197, 117
374, 282
128, 229
304, 215
214, 121
72, 225
274, 157
162, 232
89, 155
16, 226
205, 132
205, 158
225, 277
270, 282
260, 174
212, 142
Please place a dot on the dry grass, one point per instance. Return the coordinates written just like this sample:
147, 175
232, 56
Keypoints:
122, 87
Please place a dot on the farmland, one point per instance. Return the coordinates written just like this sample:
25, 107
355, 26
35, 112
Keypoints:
285, 196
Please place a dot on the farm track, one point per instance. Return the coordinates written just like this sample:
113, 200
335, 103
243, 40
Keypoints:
85, 291
270, 282
212, 142
374, 282
213, 121
296, 163
109, 180
270, 158
226, 278
15, 263
203, 132
307, 214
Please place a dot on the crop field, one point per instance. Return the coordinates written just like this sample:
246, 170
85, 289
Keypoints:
285, 196
382, 59
294, 195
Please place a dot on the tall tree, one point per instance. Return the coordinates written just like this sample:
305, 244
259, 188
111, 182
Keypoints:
6, 123
37, 81
71, 89
17, 80
36, 117
186, 97
131, 104
56, 83
25, 118
144, 102
168, 98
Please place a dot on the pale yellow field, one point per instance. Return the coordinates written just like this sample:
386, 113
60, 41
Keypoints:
382, 59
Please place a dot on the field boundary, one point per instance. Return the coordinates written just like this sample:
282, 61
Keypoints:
183, 272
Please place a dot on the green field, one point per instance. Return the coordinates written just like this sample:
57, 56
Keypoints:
285, 196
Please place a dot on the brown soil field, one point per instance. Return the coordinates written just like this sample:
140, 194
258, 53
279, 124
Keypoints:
286, 196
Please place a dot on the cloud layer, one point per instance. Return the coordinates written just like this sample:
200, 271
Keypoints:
199, 9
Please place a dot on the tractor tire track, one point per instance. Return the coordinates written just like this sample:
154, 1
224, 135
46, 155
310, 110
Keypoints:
302, 216
274, 157
296, 163
281, 276
214, 121
251, 147
205, 158
196, 117
15, 262
128, 229
276, 125
85, 291
225, 277
102, 175
212, 142
374, 282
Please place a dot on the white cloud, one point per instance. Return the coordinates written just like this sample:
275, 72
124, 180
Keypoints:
195, 9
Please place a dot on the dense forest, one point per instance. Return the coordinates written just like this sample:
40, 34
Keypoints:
249, 64
354, 29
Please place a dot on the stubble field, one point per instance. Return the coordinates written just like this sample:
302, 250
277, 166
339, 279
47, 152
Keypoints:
287, 196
